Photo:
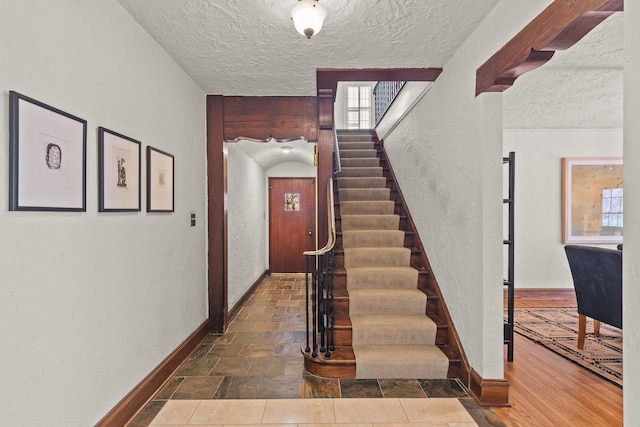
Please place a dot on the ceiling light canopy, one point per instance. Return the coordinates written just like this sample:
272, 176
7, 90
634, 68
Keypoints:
308, 16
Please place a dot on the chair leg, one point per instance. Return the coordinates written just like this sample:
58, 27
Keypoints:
582, 329
596, 327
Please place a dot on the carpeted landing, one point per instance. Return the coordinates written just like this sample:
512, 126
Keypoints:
392, 337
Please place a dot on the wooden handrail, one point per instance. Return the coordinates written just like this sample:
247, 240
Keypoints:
331, 220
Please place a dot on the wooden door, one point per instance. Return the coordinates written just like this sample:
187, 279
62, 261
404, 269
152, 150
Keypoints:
292, 206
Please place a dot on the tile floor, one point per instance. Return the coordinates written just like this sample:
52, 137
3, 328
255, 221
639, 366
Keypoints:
254, 375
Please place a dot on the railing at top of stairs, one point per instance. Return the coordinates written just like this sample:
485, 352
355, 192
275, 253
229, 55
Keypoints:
384, 94
319, 267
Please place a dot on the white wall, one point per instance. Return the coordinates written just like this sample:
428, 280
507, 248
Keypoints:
248, 221
247, 249
450, 149
540, 258
631, 253
92, 302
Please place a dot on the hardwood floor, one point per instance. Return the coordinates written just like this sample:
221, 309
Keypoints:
548, 390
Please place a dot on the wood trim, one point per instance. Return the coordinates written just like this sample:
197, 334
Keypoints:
545, 294
561, 25
238, 305
263, 117
137, 398
217, 214
488, 392
328, 78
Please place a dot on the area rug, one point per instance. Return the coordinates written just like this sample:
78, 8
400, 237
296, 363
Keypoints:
557, 329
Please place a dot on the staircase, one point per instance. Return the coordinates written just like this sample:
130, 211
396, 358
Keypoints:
388, 322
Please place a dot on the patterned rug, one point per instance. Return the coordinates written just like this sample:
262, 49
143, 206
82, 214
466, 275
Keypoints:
557, 329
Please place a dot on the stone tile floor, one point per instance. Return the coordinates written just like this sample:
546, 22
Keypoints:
257, 364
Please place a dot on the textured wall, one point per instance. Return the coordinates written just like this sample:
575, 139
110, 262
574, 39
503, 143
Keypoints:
247, 250
538, 197
450, 151
631, 274
92, 302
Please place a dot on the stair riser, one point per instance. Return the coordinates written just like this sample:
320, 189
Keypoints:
402, 224
369, 222
361, 172
408, 241
381, 260
382, 207
340, 280
341, 307
343, 336
380, 307
362, 182
355, 145
354, 162
350, 194
389, 336
358, 154
390, 238
353, 137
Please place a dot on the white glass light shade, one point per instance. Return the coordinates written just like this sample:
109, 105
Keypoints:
308, 16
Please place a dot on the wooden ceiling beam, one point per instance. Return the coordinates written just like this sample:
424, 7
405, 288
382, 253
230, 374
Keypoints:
328, 78
561, 25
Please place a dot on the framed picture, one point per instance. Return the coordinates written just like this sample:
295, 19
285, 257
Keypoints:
592, 200
159, 181
118, 172
47, 157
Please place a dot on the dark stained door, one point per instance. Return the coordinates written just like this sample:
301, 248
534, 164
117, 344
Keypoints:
292, 206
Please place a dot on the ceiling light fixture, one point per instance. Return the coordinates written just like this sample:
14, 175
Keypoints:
308, 16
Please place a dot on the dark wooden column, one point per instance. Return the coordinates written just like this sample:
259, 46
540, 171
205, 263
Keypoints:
217, 214
325, 158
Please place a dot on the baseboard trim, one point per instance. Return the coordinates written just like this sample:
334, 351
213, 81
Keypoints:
545, 294
488, 392
135, 400
238, 305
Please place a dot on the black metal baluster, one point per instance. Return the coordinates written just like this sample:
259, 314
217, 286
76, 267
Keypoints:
307, 349
314, 303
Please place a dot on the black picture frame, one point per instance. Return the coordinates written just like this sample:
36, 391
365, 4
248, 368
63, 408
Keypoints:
160, 181
47, 157
119, 172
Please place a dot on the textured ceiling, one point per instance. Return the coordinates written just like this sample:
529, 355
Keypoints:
250, 48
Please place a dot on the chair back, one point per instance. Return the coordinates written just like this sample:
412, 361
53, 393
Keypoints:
597, 279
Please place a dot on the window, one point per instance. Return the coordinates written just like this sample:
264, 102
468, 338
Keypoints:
359, 107
611, 207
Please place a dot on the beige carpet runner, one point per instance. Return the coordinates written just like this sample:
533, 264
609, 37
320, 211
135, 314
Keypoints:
392, 336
